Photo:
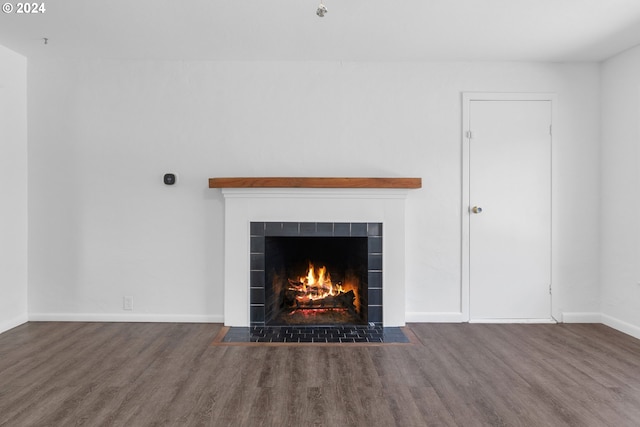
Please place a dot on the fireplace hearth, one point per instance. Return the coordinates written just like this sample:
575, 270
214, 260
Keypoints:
315, 274
354, 334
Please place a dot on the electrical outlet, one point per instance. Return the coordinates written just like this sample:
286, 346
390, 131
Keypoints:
127, 303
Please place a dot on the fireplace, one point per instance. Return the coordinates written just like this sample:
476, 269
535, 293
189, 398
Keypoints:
250, 207
305, 273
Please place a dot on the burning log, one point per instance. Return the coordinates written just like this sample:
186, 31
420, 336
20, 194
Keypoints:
300, 300
317, 291
301, 286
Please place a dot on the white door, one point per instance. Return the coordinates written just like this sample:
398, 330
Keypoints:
509, 210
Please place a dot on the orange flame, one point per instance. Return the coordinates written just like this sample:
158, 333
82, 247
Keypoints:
317, 285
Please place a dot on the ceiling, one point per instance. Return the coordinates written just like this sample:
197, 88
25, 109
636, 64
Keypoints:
354, 30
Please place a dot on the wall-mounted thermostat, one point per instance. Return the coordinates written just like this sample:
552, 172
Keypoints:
169, 178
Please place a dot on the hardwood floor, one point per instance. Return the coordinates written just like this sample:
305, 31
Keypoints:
124, 374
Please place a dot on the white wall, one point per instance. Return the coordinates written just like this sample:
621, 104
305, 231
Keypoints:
102, 133
620, 203
13, 189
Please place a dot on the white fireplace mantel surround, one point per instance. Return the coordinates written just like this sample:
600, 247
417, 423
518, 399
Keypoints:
379, 205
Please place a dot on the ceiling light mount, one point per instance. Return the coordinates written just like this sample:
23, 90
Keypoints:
322, 10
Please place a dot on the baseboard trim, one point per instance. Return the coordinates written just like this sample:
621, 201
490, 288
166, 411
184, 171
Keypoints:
542, 321
621, 326
427, 317
578, 317
12, 323
130, 317
411, 317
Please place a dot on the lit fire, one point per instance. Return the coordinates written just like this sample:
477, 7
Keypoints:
316, 290
315, 286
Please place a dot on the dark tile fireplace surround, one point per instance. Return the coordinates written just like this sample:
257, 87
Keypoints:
371, 233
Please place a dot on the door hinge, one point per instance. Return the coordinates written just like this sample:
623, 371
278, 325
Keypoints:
550, 290
551, 130
469, 135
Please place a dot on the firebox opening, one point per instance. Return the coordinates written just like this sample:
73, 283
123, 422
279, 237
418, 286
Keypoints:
316, 280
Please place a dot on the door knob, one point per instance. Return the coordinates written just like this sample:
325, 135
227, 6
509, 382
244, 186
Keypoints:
476, 209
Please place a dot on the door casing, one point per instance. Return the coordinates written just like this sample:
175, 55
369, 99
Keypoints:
467, 98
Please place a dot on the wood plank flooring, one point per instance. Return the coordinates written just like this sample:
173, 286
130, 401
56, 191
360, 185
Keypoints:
142, 374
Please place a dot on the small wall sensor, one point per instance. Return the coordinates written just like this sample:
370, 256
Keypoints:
169, 178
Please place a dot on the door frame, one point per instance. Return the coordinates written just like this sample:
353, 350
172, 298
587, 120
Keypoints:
467, 97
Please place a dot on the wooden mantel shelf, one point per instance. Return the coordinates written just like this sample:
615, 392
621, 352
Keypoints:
299, 182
